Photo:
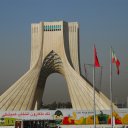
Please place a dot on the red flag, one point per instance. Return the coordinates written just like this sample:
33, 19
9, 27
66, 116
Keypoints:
96, 61
116, 61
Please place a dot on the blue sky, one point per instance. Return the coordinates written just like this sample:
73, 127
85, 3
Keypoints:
103, 22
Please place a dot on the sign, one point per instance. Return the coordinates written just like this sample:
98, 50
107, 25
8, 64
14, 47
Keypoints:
68, 117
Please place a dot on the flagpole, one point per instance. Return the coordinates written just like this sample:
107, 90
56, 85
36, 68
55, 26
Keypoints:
111, 99
94, 105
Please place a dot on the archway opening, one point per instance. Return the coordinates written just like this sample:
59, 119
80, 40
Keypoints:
56, 94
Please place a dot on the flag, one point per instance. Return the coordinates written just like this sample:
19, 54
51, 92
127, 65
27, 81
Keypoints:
116, 61
85, 69
96, 61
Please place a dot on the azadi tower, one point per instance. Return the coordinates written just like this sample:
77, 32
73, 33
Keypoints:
54, 49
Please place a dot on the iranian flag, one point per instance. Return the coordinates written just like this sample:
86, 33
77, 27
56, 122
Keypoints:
116, 61
96, 61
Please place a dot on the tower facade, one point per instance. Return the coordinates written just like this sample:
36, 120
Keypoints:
54, 49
